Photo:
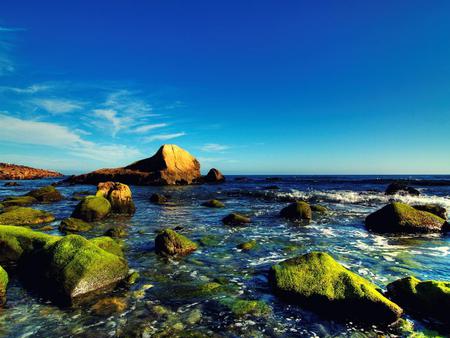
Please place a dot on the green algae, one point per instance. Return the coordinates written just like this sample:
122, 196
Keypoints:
242, 307
108, 244
92, 208
25, 216
71, 225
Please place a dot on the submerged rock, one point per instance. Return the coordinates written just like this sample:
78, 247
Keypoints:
242, 307
214, 176
46, 194
247, 246
20, 172
158, 198
171, 165
117, 232
169, 242
401, 188
11, 184
435, 209
24, 216
236, 219
427, 299
18, 201
118, 195
397, 217
109, 306
70, 225
297, 211
3, 285
318, 282
92, 208
213, 204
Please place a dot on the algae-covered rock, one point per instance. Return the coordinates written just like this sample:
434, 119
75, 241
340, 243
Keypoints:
108, 244
398, 217
92, 208
242, 307
46, 194
70, 225
169, 242
213, 204
158, 199
319, 208
297, 211
428, 299
24, 216
117, 232
3, 285
435, 209
18, 201
246, 246
119, 195
236, 219
318, 282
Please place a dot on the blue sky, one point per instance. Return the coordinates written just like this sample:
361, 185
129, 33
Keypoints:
246, 86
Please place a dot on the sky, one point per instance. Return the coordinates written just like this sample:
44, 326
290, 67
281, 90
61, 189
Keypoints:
249, 87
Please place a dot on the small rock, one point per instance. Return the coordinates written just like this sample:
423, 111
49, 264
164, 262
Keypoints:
297, 211
214, 176
213, 204
71, 225
169, 242
117, 232
246, 246
11, 184
236, 219
158, 199
46, 194
92, 208
401, 188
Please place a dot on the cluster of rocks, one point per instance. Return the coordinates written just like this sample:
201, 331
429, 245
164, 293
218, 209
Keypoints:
20, 172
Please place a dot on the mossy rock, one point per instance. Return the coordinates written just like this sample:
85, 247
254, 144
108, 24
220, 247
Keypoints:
158, 199
71, 225
297, 211
398, 217
46, 194
213, 204
92, 208
427, 299
435, 209
3, 285
210, 240
108, 244
242, 307
319, 208
117, 232
247, 246
118, 195
236, 219
170, 243
25, 216
18, 201
133, 277
316, 281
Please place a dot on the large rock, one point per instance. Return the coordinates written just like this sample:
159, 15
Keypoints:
401, 188
46, 194
3, 285
170, 243
92, 208
401, 218
118, 195
71, 225
20, 172
171, 165
214, 176
433, 208
428, 299
297, 211
316, 281
24, 216
18, 201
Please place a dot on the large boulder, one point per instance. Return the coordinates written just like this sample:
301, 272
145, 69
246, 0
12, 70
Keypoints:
316, 281
24, 216
297, 211
118, 195
433, 208
170, 243
402, 189
20, 172
398, 217
46, 194
92, 208
427, 299
171, 165
214, 176
3, 285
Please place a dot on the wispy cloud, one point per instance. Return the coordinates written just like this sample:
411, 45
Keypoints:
58, 106
163, 137
10, 29
148, 127
36, 88
214, 148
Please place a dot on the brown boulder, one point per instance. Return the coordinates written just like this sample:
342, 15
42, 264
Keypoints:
119, 195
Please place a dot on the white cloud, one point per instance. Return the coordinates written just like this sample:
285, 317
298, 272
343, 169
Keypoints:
111, 116
27, 90
214, 148
148, 127
163, 137
21, 131
58, 106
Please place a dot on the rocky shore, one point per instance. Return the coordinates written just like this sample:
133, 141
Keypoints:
21, 172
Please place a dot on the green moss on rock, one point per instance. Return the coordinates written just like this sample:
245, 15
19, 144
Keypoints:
18, 201
117, 232
435, 209
398, 217
46, 194
108, 244
236, 219
25, 216
242, 307
169, 242
3, 285
246, 246
92, 208
429, 299
317, 281
71, 225
213, 204
297, 211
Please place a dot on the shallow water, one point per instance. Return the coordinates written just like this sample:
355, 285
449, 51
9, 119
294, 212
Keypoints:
380, 259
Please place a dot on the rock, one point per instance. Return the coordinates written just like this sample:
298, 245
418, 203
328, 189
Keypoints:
117, 232
401, 218
108, 244
118, 195
46, 194
246, 246
427, 299
242, 307
318, 282
214, 176
46, 228
401, 188
92, 208
133, 277
171, 165
213, 204
158, 199
3, 285
170, 243
319, 208
18, 201
109, 306
435, 209
11, 184
24, 216
71, 225
21, 172
235, 219
79, 195
297, 211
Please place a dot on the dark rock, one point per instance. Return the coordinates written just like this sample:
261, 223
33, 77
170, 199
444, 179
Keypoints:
117, 232
158, 199
213, 204
71, 225
297, 211
235, 219
214, 176
11, 184
170, 243
401, 188
46, 194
